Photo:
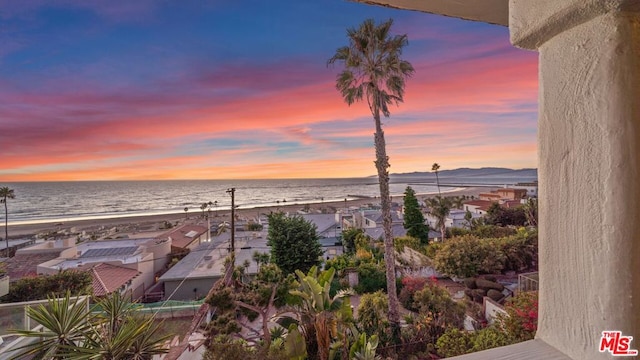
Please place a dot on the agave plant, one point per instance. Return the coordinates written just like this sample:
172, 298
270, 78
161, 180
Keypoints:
364, 348
71, 331
64, 326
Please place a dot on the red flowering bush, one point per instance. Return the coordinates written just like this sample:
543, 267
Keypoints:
521, 322
410, 286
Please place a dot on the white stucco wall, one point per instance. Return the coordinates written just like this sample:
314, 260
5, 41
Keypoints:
589, 162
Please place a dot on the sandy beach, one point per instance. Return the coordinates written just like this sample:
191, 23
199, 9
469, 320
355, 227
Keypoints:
152, 222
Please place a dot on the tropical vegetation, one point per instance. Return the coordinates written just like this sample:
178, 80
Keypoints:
112, 329
440, 207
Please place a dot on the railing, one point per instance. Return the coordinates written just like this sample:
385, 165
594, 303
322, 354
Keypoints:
528, 282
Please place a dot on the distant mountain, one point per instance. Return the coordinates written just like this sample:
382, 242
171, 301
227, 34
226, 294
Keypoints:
468, 173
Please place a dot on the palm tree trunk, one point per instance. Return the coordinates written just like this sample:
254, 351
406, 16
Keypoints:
382, 164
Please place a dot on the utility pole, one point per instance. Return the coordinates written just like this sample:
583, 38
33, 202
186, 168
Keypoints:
232, 191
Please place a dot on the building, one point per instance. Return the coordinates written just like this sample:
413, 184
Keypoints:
373, 218
479, 207
531, 187
187, 236
329, 229
195, 274
128, 266
505, 194
588, 161
108, 278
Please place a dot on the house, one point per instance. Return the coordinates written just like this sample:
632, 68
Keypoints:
131, 264
26, 260
373, 218
329, 229
505, 194
588, 161
478, 207
512, 194
108, 278
531, 187
490, 196
187, 236
455, 219
193, 276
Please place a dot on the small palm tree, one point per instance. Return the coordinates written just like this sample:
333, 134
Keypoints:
203, 207
435, 167
375, 71
440, 208
457, 202
6, 193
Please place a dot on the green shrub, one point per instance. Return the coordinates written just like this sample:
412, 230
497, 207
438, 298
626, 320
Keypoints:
492, 231
253, 226
39, 287
400, 243
468, 256
437, 302
454, 342
371, 278
489, 338
372, 316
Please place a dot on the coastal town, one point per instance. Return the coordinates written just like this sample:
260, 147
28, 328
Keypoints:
178, 260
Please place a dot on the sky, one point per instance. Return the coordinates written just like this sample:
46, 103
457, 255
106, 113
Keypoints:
222, 89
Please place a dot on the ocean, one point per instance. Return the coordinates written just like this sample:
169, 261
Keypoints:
40, 202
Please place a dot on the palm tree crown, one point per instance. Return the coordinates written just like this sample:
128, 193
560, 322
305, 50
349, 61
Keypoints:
373, 67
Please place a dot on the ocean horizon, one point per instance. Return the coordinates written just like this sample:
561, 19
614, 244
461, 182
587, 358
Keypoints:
59, 201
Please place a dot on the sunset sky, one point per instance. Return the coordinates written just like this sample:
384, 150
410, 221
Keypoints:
221, 89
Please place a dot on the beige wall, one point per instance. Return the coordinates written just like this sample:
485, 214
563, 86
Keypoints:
589, 162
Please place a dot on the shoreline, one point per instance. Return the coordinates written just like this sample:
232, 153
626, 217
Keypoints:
17, 230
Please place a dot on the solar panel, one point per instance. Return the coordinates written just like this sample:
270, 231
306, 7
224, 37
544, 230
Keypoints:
118, 251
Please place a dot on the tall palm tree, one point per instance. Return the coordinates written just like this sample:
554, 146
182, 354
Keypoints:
6, 193
435, 167
373, 70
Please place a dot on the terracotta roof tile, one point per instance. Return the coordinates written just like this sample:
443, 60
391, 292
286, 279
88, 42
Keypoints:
107, 278
24, 265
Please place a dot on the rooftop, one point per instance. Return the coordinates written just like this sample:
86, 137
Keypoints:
107, 278
184, 235
23, 265
207, 259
